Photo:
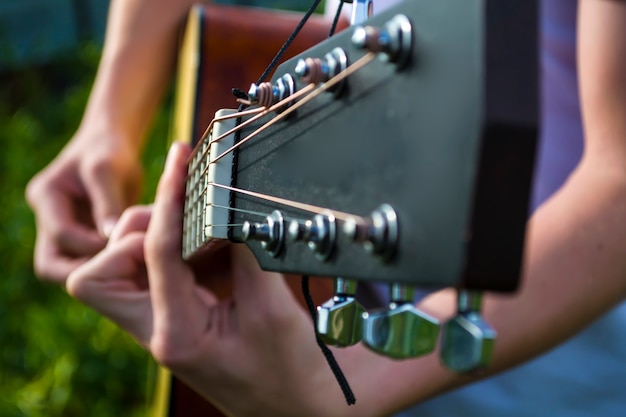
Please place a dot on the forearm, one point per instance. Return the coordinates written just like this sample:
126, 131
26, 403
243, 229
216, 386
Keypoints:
575, 267
575, 258
136, 65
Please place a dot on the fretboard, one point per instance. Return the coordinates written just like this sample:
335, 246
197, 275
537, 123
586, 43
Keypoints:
206, 207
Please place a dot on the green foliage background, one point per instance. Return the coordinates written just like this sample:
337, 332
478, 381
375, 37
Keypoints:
57, 357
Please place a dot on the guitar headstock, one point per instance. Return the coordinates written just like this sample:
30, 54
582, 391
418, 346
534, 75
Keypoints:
414, 169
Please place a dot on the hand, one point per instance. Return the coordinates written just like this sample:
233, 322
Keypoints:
254, 354
78, 198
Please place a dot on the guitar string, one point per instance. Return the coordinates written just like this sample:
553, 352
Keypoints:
196, 149
239, 210
230, 116
332, 362
188, 210
265, 112
224, 225
303, 206
357, 65
340, 215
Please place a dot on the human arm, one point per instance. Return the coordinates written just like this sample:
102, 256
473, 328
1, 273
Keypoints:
575, 266
80, 195
574, 272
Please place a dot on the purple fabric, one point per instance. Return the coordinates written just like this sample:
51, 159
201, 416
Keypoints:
584, 376
561, 141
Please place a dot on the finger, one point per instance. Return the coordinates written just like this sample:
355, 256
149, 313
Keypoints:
54, 210
257, 291
134, 219
113, 283
179, 312
49, 264
107, 195
167, 215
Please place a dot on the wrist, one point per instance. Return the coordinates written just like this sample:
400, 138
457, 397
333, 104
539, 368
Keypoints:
105, 137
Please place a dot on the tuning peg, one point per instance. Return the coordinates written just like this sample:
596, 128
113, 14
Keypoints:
317, 70
393, 42
266, 94
403, 331
361, 10
467, 340
271, 233
378, 235
320, 234
339, 320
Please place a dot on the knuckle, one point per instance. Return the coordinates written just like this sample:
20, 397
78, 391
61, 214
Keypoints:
75, 286
57, 233
43, 271
34, 188
158, 250
131, 216
168, 353
98, 166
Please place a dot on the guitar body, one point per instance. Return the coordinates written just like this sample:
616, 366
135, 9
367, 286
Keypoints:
225, 47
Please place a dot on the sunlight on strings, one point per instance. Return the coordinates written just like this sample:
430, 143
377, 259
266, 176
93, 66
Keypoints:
306, 94
364, 60
340, 215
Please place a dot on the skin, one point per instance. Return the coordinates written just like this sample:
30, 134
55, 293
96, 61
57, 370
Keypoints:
259, 344
79, 196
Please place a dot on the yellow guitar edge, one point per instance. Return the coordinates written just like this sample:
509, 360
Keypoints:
182, 130
162, 393
185, 99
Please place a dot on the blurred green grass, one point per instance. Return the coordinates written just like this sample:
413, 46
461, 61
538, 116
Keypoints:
57, 357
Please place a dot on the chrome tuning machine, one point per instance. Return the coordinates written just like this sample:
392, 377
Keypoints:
320, 234
403, 331
361, 10
393, 42
316, 70
467, 341
378, 235
271, 233
339, 320
266, 94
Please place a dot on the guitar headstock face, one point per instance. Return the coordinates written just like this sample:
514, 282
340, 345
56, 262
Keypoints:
419, 171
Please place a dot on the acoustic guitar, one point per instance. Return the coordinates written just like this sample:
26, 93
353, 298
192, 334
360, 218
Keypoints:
224, 47
399, 151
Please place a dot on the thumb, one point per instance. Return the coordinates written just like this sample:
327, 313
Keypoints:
106, 194
172, 283
258, 291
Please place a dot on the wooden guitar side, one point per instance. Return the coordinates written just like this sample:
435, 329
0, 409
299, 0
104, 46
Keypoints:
225, 47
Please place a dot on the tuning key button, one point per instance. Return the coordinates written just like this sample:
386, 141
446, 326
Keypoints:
320, 234
271, 234
361, 11
339, 320
267, 94
317, 70
468, 341
403, 331
393, 42
379, 235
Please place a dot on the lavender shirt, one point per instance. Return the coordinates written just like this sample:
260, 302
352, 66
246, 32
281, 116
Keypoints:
586, 375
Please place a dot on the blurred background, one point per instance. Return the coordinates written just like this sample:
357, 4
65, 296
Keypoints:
57, 357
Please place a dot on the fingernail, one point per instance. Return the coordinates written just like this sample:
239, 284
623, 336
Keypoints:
107, 226
173, 155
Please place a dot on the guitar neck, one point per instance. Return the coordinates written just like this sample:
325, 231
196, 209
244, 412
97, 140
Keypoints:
209, 65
